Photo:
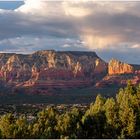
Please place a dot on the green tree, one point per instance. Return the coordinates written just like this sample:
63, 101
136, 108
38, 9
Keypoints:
21, 128
7, 126
111, 112
69, 125
94, 120
126, 100
44, 126
97, 106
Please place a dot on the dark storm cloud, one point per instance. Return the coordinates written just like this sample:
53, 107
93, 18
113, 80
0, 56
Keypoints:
125, 25
106, 24
15, 24
104, 27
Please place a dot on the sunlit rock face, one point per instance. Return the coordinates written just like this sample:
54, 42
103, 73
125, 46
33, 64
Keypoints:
119, 73
51, 66
118, 67
45, 70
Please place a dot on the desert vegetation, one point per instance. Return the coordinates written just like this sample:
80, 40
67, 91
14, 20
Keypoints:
117, 117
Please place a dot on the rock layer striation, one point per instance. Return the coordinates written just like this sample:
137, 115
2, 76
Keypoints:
51, 68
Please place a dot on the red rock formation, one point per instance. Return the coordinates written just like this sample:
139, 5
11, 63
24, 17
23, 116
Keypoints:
43, 67
118, 67
51, 69
118, 80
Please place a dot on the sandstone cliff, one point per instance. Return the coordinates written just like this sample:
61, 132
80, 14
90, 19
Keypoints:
119, 73
51, 68
45, 70
118, 67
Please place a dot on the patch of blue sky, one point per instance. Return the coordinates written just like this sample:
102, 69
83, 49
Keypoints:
10, 5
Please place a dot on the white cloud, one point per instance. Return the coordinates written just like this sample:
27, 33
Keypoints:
135, 46
41, 8
75, 9
32, 7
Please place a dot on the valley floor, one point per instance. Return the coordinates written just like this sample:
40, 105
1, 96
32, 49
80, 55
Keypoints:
60, 96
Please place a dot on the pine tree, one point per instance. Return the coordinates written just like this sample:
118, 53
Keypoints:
127, 111
44, 126
7, 126
69, 125
111, 112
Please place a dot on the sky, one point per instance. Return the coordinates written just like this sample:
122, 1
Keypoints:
111, 29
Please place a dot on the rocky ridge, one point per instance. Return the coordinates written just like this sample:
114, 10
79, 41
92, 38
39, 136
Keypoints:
118, 67
119, 73
49, 69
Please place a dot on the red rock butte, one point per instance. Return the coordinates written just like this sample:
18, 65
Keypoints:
63, 69
51, 68
118, 67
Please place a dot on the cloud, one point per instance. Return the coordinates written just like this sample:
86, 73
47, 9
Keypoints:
100, 26
28, 44
106, 30
126, 54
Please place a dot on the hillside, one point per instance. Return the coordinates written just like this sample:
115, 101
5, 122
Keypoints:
44, 72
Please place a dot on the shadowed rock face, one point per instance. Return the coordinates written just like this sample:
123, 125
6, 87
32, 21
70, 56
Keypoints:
45, 67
